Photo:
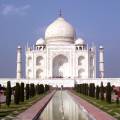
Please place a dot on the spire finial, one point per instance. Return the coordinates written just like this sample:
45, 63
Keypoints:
60, 13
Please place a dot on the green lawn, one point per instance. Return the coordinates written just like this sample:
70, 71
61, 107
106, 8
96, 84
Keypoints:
8, 113
112, 109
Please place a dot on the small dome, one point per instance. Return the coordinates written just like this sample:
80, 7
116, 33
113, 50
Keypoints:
60, 31
80, 41
19, 47
101, 47
40, 41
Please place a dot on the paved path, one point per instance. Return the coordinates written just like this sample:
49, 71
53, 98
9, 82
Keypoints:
32, 112
94, 111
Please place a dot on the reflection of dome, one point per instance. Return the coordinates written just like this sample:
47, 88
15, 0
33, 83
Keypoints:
60, 31
40, 41
80, 41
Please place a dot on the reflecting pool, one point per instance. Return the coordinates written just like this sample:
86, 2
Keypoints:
63, 107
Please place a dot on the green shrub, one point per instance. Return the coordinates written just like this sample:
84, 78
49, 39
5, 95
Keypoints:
17, 94
27, 91
8, 93
22, 92
41, 89
108, 92
46, 88
102, 91
97, 92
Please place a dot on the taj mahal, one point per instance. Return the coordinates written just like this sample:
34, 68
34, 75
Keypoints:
60, 54
61, 58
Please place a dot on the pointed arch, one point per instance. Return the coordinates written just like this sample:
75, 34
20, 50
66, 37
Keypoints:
60, 64
39, 60
80, 71
29, 60
80, 59
39, 73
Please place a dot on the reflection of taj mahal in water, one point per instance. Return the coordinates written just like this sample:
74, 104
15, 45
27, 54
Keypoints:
60, 54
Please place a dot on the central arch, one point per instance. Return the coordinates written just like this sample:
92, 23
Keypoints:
60, 67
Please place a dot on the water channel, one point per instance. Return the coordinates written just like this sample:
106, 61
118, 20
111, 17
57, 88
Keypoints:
63, 107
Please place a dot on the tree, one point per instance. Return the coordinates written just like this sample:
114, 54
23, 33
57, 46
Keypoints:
102, 91
8, 93
27, 91
92, 90
22, 92
108, 92
46, 87
37, 89
32, 90
17, 94
41, 89
97, 92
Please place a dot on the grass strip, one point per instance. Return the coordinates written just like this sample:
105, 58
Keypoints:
113, 109
8, 113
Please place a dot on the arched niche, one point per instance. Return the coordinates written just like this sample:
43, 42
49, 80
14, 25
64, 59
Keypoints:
60, 66
38, 73
29, 72
39, 60
91, 61
80, 71
29, 60
80, 59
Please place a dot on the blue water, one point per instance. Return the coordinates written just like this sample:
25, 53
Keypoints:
63, 107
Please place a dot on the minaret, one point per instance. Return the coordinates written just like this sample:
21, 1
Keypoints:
101, 62
19, 63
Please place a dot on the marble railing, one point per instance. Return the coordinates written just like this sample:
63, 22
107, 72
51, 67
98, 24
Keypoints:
59, 81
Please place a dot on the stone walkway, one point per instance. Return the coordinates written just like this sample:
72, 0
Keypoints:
94, 111
33, 112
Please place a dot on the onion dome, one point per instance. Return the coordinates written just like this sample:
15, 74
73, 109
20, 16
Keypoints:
60, 31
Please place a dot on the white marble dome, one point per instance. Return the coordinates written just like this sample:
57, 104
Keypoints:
40, 41
60, 31
80, 41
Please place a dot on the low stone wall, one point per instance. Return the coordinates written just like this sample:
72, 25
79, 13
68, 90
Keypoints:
65, 82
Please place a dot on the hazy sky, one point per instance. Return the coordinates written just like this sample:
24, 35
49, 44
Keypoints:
23, 21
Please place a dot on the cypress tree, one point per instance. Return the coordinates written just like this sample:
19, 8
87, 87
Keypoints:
37, 89
17, 94
8, 93
22, 92
93, 90
33, 86
30, 91
27, 91
41, 88
90, 90
108, 92
46, 88
87, 89
102, 91
97, 92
